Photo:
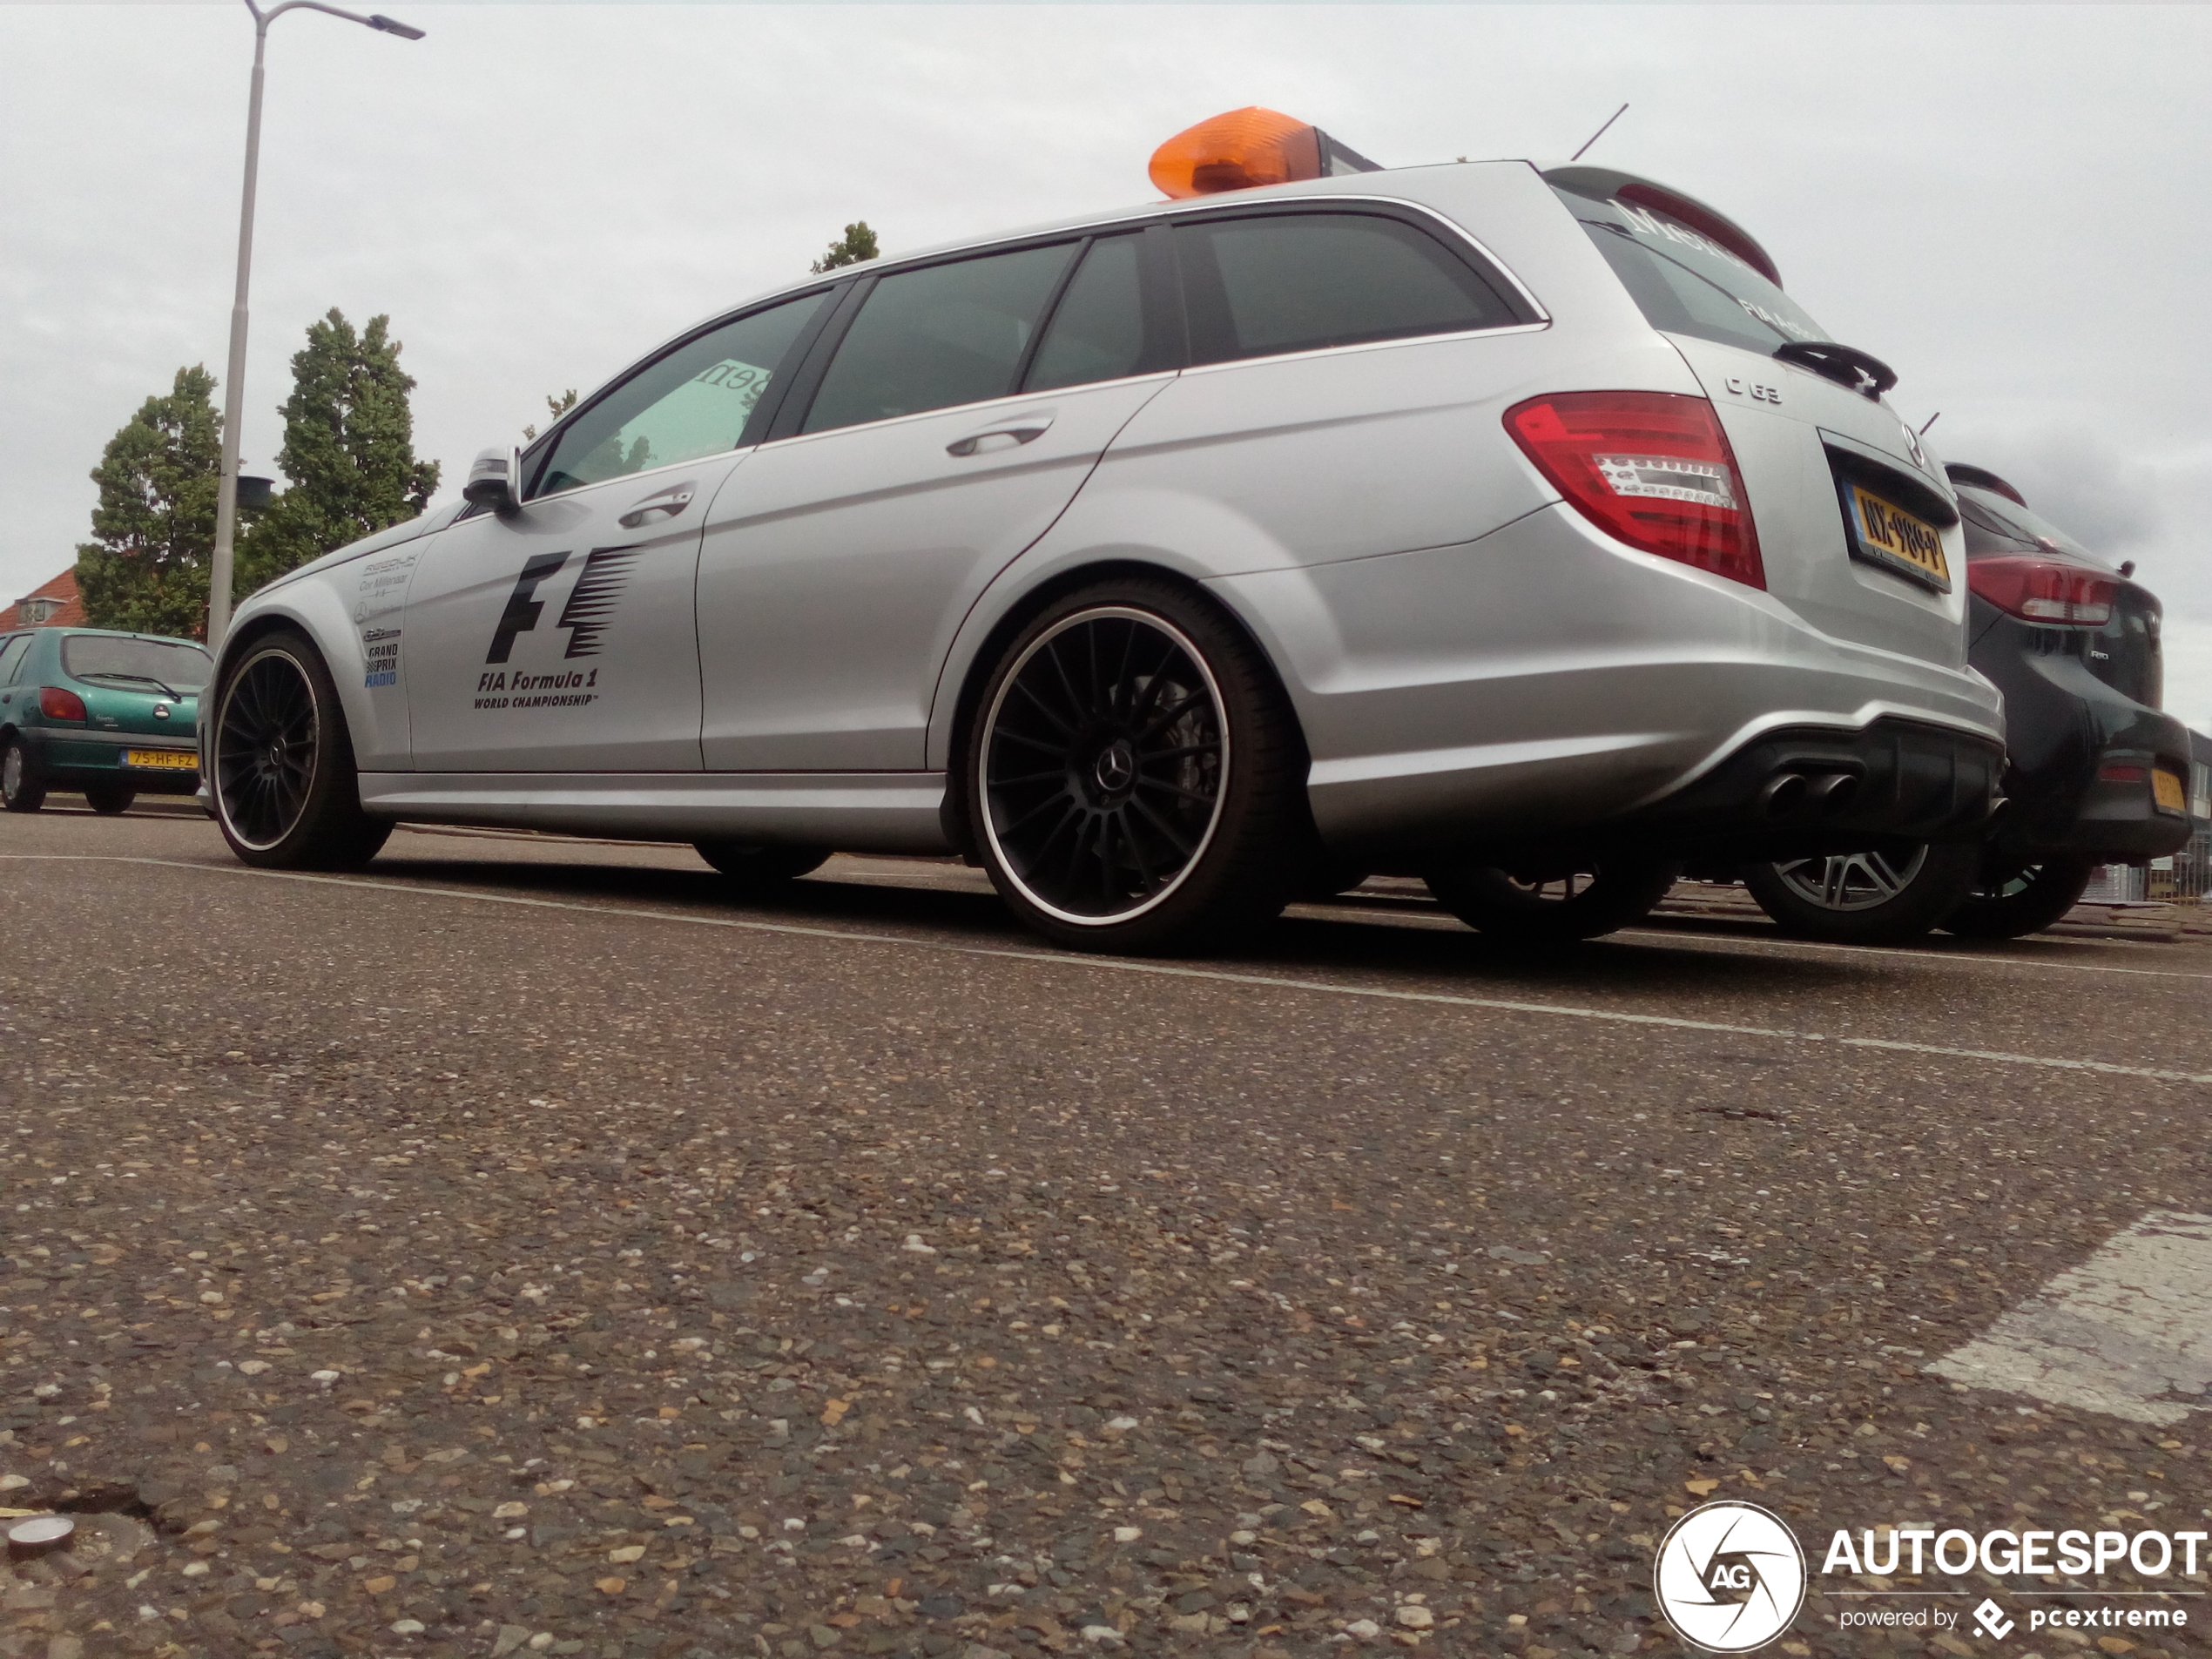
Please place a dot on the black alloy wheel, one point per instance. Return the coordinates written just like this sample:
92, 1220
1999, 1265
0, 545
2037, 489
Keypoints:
1553, 907
750, 866
110, 801
23, 780
1133, 787
286, 794
2013, 901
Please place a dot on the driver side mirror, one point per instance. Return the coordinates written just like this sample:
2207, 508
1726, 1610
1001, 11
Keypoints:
495, 480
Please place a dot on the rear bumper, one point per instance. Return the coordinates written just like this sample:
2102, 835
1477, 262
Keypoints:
72, 759
1546, 686
2065, 729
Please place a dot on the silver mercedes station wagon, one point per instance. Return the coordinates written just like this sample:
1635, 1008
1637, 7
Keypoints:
1508, 527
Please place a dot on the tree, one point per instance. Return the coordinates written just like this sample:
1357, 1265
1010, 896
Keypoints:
855, 246
155, 522
558, 407
348, 450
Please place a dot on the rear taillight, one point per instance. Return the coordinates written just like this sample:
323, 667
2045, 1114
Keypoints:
2044, 590
58, 704
1651, 469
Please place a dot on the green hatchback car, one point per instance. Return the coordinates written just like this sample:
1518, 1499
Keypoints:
113, 715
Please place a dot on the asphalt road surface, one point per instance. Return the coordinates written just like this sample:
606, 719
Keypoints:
525, 1247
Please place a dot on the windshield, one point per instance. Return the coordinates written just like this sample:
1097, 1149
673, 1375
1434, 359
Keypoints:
179, 667
1995, 525
1686, 283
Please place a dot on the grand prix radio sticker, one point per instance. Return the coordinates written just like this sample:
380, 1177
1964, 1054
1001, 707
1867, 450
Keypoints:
586, 617
380, 654
1730, 1577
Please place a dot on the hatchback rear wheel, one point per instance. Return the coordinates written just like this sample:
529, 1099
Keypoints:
1134, 773
286, 794
23, 780
1882, 896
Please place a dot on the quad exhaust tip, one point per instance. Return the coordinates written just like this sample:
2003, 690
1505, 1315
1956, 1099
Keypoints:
1791, 796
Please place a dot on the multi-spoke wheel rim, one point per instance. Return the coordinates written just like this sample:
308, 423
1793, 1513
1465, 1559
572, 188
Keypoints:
11, 772
1553, 889
1851, 880
1103, 765
265, 749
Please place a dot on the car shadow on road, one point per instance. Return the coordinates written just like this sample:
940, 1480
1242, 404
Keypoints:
1301, 945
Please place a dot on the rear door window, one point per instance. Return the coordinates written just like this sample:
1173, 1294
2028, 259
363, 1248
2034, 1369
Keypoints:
1256, 285
943, 334
1686, 283
12, 652
1097, 329
695, 401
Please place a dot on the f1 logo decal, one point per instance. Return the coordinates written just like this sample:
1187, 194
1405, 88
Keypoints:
523, 611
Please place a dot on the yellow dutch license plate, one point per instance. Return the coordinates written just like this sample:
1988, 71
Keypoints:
164, 760
1902, 541
2168, 791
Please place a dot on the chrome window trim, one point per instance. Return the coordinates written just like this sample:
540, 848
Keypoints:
1395, 342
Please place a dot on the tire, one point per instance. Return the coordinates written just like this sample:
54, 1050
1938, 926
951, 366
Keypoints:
280, 763
751, 868
2027, 901
1159, 808
1890, 896
1552, 909
110, 801
23, 780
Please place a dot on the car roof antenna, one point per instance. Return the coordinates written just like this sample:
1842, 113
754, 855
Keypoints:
1930, 421
1596, 136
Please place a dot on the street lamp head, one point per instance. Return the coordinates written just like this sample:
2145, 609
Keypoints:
394, 26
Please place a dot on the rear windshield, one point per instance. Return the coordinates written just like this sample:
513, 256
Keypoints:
151, 664
1995, 525
1685, 282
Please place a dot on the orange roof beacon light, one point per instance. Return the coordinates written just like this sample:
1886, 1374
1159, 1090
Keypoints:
1247, 148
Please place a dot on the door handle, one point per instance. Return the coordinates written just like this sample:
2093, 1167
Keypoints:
1000, 438
667, 504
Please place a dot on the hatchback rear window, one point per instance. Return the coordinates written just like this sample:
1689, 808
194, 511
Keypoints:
1686, 283
1997, 526
146, 664
1258, 284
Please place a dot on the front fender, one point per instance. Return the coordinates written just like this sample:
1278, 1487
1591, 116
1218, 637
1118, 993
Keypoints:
348, 609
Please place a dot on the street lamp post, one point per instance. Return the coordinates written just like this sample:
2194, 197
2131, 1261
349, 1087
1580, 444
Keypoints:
218, 574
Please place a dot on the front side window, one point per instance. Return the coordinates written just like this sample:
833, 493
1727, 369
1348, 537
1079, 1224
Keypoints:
142, 665
1257, 284
1097, 329
1686, 283
695, 401
938, 336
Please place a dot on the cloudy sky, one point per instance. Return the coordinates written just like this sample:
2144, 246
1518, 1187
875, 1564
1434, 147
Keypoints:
2000, 201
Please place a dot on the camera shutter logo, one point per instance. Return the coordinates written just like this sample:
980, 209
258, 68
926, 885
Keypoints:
1730, 1577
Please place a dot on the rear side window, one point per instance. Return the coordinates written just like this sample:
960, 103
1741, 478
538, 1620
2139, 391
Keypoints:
1259, 284
1097, 329
695, 401
940, 335
13, 651
141, 664
1686, 283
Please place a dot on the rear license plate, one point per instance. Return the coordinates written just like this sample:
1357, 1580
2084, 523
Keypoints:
1885, 534
2168, 791
163, 760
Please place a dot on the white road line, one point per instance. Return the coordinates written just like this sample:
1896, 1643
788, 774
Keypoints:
1163, 970
1929, 957
2122, 1333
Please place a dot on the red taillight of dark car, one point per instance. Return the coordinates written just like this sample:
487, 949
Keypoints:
58, 703
2044, 591
1650, 469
